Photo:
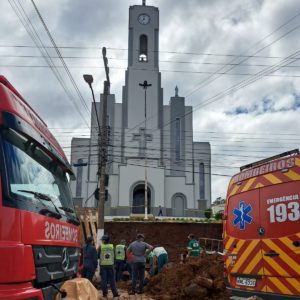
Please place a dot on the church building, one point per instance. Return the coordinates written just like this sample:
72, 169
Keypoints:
149, 139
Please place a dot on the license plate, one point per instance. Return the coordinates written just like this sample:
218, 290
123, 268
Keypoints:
246, 281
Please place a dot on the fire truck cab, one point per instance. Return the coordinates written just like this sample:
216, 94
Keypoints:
39, 231
262, 229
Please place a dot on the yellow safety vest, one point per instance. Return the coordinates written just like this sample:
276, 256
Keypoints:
120, 252
107, 255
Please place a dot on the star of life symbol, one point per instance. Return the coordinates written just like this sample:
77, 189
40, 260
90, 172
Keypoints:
242, 216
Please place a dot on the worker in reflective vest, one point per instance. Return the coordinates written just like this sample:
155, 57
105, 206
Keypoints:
120, 252
107, 273
193, 246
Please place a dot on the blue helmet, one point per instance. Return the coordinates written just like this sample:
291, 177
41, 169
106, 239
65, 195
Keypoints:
105, 238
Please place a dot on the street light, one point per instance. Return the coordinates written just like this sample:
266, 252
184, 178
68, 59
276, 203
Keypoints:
145, 85
89, 80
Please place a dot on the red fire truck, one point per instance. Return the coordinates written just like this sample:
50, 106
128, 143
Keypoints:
39, 231
262, 229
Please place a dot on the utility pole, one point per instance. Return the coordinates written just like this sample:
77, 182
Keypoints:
102, 141
103, 151
145, 85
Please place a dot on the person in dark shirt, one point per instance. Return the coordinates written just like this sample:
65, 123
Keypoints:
90, 259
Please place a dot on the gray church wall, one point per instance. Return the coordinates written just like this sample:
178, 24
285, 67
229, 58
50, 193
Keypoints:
177, 185
136, 99
177, 124
125, 102
117, 149
166, 139
111, 128
80, 150
189, 154
155, 178
113, 190
202, 155
130, 47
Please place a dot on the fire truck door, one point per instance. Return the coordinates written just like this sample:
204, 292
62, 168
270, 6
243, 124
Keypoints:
280, 220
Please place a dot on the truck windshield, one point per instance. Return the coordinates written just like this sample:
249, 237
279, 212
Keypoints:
33, 176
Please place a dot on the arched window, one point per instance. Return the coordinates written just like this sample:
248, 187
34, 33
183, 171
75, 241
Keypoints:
201, 181
143, 55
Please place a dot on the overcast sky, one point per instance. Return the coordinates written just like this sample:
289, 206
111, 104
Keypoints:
236, 62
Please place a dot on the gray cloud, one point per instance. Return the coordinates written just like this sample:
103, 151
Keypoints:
244, 124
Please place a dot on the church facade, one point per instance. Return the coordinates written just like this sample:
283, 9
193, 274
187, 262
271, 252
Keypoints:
148, 140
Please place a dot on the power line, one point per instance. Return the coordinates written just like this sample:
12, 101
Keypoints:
161, 61
171, 71
160, 51
60, 57
113, 129
21, 14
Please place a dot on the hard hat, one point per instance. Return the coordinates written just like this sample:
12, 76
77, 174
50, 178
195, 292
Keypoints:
105, 238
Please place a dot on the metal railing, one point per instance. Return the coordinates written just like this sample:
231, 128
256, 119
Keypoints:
211, 245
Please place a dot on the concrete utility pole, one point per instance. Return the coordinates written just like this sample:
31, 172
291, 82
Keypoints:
103, 151
145, 85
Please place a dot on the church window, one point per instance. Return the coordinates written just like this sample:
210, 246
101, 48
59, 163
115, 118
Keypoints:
201, 181
143, 52
79, 179
177, 139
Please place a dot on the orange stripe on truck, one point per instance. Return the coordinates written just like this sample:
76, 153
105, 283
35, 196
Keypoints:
292, 175
273, 179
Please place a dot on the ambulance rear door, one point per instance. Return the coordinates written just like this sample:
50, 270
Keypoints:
244, 261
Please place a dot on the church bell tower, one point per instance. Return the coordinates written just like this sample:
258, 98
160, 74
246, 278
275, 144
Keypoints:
143, 56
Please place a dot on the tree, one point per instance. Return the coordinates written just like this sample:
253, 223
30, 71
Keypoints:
219, 200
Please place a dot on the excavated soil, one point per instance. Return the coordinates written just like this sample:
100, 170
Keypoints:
197, 278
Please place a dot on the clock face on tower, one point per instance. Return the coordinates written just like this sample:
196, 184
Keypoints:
143, 19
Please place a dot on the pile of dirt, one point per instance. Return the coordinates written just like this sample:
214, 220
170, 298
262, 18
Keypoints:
197, 278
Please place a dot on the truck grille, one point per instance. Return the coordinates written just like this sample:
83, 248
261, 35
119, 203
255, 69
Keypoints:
54, 263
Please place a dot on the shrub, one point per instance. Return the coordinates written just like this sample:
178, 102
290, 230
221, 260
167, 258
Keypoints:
219, 215
208, 213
